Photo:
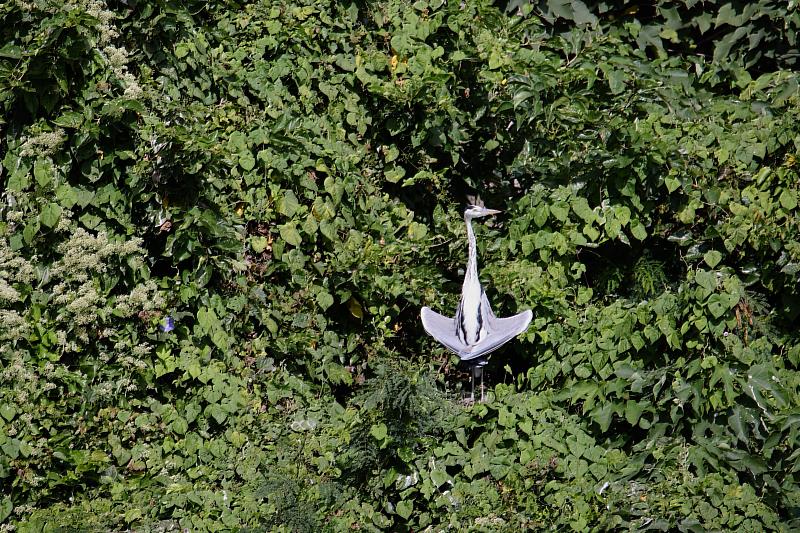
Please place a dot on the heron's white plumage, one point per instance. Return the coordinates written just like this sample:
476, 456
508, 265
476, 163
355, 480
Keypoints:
475, 331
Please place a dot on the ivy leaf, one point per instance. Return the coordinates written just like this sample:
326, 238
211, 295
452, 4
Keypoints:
379, 431
290, 234
540, 214
194, 369
737, 424
6, 506
11, 448
672, 184
328, 229
43, 172
259, 244
216, 412
623, 214
718, 304
581, 207
706, 279
207, 319
289, 204
67, 196
638, 230
8, 412
391, 153
591, 232
179, 426
560, 210
30, 230
763, 378
603, 414
712, 258
50, 214
439, 477
756, 465
324, 299
506, 418
393, 173
404, 509
69, 119
247, 161
788, 199
633, 411
581, 14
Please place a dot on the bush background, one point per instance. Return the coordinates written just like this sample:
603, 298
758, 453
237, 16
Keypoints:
284, 182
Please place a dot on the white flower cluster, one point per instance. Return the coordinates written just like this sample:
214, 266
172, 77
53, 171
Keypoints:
491, 520
79, 312
67, 345
143, 297
100, 11
13, 267
12, 217
77, 290
7, 292
13, 326
64, 221
118, 61
82, 254
19, 374
132, 89
117, 57
82, 304
42, 143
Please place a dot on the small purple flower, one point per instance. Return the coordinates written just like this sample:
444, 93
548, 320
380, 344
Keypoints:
167, 325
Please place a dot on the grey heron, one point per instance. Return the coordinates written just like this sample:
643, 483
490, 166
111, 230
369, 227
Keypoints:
475, 331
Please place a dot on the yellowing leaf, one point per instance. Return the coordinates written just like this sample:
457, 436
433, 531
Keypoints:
259, 244
355, 308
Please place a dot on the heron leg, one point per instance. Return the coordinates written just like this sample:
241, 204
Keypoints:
472, 383
483, 398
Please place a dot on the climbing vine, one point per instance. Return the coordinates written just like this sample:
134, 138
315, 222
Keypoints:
219, 221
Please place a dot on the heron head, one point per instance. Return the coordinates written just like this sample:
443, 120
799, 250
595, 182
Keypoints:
477, 211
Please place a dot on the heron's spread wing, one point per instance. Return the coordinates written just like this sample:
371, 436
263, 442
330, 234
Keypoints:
443, 329
499, 331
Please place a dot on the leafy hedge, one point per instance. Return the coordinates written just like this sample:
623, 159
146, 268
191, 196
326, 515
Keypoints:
219, 222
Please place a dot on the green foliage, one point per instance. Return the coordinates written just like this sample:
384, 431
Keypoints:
281, 183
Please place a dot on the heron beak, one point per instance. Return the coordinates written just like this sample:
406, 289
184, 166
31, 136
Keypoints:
491, 211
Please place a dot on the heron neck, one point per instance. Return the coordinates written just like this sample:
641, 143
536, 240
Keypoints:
472, 258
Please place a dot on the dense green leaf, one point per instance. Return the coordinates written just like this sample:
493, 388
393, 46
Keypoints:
219, 224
